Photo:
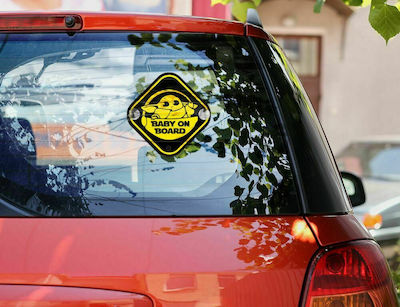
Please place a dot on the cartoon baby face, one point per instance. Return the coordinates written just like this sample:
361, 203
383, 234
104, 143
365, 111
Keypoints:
170, 106
170, 102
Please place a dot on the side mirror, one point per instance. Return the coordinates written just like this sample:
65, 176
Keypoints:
354, 188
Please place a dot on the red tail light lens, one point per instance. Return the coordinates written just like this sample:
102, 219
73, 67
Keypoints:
40, 22
355, 275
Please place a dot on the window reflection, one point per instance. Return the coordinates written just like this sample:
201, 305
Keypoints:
69, 150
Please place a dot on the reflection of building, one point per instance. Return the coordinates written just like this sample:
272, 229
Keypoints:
185, 289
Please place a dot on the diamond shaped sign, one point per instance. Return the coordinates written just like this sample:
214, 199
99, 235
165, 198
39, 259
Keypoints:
168, 114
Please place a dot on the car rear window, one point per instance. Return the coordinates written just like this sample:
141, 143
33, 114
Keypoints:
138, 124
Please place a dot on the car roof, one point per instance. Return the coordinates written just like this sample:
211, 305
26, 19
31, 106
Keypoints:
122, 21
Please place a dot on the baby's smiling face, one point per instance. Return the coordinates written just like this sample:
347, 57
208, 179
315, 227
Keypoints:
170, 102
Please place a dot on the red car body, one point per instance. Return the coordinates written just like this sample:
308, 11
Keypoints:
143, 255
164, 261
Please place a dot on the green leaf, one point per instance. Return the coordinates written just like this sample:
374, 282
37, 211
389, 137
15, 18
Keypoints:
135, 40
366, 3
224, 134
239, 9
251, 186
147, 37
385, 19
235, 124
241, 157
353, 2
204, 138
164, 37
263, 189
272, 179
256, 156
219, 147
234, 150
174, 46
238, 191
247, 171
236, 206
151, 155
244, 137
156, 44
318, 6
224, 2
208, 88
139, 88
181, 154
193, 147
168, 158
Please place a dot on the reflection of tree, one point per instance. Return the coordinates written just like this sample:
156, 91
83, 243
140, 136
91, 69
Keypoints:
260, 242
249, 132
49, 189
244, 131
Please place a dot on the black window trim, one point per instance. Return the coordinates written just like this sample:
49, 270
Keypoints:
340, 208
266, 79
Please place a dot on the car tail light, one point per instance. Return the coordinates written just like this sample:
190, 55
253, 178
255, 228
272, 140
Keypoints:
354, 275
40, 22
372, 221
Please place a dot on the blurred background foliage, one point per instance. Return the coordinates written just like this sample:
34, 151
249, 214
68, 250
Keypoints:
383, 17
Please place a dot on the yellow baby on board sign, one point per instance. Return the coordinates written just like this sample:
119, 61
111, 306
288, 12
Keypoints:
168, 114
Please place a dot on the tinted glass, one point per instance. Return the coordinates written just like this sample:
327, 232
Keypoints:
324, 191
68, 148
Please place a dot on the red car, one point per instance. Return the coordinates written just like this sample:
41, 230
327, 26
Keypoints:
169, 161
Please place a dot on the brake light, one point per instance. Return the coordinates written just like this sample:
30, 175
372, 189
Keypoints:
40, 22
372, 221
354, 275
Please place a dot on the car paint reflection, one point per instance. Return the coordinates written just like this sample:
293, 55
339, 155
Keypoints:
202, 261
301, 231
